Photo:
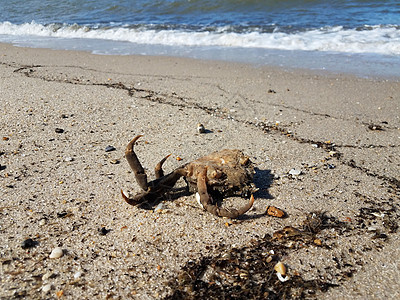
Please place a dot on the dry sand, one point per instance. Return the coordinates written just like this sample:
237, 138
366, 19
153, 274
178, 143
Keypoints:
59, 187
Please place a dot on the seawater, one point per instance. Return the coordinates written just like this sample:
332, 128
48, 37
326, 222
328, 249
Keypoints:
361, 37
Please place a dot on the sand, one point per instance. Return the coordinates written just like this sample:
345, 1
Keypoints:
61, 188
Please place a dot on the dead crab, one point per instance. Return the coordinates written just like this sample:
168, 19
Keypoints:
220, 174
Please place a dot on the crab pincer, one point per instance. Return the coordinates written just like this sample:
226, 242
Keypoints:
205, 200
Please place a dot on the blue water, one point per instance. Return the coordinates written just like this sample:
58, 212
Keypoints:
361, 37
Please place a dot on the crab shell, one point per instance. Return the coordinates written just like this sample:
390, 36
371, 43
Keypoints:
229, 173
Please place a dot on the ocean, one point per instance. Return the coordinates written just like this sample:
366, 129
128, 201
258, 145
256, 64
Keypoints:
360, 37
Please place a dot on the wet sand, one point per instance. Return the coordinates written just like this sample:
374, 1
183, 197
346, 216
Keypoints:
61, 188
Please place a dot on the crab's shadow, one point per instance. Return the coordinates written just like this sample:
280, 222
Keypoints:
263, 180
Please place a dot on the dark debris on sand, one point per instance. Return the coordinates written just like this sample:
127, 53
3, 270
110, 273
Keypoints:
248, 272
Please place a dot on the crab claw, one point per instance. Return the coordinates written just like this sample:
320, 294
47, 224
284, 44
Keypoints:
206, 201
128, 199
135, 165
158, 170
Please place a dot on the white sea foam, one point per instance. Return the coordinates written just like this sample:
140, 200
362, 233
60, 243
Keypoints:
374, 39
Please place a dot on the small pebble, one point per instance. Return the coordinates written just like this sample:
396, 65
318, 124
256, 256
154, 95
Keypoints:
201, 128
109, 148
275, 212
159, 207
29, 243
379, 215
46, 288
294, 172
114, 161
77, 275
46, 276
62, 214
59, 130
104, 231
318, 242
280, 268
69, 159
56, 253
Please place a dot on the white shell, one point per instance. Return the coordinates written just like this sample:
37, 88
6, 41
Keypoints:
56, 253
198, 200
281, 278
159, 207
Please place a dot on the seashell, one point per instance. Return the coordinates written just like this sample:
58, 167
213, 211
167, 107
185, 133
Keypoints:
201, 128
280, 268
56, 253
77, 275
275, 212
281, 278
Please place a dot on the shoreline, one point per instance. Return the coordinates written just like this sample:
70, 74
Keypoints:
363, 65
60, 188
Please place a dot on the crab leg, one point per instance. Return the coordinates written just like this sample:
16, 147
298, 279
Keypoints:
158, 170
206, 201
135, 165
156, 188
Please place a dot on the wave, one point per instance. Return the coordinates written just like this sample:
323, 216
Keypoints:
384, 39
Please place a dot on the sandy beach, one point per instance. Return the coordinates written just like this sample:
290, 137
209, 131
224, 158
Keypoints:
325, 148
